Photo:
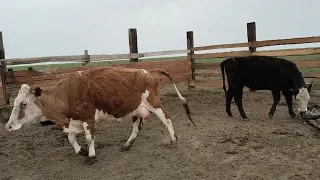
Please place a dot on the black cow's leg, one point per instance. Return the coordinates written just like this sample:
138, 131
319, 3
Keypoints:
238, 98
288, 97
229, 97
276, 100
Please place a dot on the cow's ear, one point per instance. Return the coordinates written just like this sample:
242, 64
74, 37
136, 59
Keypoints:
37, 91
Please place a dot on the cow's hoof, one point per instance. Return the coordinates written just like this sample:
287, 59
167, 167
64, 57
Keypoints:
83, 152
125, 148
270, 116
230, 114
173, 144
90, 160
245, 119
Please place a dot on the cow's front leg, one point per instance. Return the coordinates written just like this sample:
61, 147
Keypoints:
276, 100
89, 133
136, 127
288, 97
72, 137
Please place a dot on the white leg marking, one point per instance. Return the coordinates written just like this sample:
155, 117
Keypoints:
89, 140
135, 132
73, 141
160, 114
74, 127
167, 122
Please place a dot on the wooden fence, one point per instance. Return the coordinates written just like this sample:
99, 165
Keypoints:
190, 68
12, 80
202, 72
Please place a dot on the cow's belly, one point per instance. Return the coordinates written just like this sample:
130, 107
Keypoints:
263, 82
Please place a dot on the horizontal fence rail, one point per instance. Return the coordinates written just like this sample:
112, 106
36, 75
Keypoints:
282, 52
88, 58
99, 57
265, 43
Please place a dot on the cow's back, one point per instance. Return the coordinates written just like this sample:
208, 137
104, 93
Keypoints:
116, 91
262, 72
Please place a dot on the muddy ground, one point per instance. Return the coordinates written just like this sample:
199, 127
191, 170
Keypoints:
219, 147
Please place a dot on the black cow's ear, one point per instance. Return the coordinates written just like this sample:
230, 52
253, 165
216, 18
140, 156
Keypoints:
37, 91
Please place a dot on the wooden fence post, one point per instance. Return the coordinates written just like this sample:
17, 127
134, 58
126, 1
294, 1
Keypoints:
133, 43
3, 69
190, 46
251, 34
87, 60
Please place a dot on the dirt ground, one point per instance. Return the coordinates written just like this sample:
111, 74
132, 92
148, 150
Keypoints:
219, 147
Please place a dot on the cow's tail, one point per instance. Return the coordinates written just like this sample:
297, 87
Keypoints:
222, 64
184, 101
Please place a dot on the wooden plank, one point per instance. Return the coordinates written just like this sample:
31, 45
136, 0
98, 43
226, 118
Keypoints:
165, 53
27, 73
302, 40
311, 74
283, 52
222, 54
221, 46
85, 58
100, 57
207, 84
206, 65
208, 74
308, 63
16, 61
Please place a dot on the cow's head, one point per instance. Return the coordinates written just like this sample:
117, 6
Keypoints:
25, 110
302, 98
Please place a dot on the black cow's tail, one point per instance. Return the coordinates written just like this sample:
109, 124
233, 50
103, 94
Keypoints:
184, 101
222, 64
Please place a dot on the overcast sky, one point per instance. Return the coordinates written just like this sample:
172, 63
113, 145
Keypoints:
67, 27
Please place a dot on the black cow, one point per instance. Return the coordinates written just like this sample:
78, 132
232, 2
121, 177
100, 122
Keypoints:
264, 73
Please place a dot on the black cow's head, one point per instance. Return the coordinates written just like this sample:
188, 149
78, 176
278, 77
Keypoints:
302, 97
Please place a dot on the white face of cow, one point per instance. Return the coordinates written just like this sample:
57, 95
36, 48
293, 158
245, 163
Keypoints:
302, 99
24, 111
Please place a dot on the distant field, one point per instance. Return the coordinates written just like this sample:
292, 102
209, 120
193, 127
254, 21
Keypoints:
104, 63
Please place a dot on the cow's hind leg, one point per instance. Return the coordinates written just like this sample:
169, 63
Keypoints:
137, 126
288, 96
89, 133
238, 98
163, 116
72, 137
229, 97
276, 100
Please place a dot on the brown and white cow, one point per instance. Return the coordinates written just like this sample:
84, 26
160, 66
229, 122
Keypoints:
79, 101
